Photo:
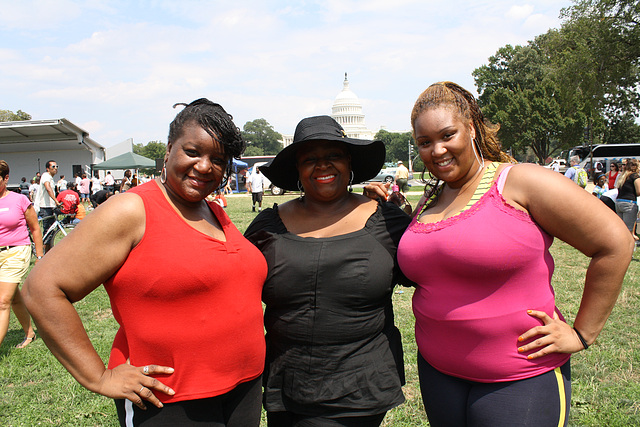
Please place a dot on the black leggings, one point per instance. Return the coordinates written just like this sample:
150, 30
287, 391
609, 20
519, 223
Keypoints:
539, 401
289, 419
239, 407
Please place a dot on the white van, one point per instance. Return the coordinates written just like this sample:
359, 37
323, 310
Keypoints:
606, 153
275, 191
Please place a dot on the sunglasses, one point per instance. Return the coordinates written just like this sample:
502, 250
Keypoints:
54, 166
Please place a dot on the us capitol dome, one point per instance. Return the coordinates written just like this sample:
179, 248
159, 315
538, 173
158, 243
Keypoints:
347, 110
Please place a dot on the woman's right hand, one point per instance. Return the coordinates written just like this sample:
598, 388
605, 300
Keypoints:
373, 190
135, 383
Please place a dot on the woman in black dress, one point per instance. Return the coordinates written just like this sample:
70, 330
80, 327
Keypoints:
334, 355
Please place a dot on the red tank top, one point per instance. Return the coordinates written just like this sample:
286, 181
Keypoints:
186, 300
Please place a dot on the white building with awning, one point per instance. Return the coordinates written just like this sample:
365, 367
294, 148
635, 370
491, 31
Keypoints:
27, 146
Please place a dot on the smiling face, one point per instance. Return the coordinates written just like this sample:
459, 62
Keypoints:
195, 164
444, 140
324, 168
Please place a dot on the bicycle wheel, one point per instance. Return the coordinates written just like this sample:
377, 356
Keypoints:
59, 235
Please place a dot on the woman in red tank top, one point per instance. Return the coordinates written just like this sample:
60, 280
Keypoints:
171, 289
612, 175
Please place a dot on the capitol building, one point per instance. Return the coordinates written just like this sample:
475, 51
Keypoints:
346, 110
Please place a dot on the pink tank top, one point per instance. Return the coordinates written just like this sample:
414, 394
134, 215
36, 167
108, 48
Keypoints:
477, 273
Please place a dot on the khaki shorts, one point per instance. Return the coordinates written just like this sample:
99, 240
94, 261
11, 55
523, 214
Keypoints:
14, 263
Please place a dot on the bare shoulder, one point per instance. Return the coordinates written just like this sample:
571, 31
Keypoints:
532, 177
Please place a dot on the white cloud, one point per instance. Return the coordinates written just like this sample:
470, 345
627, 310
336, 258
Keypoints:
118, 67
519, 12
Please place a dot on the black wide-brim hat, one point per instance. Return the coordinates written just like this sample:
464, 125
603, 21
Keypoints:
367, 157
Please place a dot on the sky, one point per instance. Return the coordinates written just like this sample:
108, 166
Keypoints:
115, 68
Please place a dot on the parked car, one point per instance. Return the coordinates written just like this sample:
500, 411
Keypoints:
275, 191
388, 175
385, 175
561, 162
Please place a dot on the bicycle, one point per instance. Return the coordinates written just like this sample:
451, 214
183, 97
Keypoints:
57, 230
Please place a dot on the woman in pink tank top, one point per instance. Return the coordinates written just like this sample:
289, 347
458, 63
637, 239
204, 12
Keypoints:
493, 347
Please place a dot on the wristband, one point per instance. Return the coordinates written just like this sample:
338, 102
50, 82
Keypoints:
582, 340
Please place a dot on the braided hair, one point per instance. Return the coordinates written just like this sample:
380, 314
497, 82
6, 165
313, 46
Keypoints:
454, 96
217, 123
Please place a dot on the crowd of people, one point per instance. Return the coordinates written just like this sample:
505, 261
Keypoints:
493, 348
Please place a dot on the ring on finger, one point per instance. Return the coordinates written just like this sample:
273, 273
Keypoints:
141, 388
145, 370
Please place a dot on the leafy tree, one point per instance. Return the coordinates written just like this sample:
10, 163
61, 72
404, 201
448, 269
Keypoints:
517, 93
10, 116
396, 144
622, 131
598, 57
152, 150
261, 138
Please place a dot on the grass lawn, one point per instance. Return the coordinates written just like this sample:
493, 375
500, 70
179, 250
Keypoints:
36, 390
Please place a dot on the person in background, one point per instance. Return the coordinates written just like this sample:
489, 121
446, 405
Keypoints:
628, 192
600, 187
190, 349
17, 219
96, 184
109, 182
126, 182
33, 189
99, 197
576, 173
45, 201
84, 188
256, 186
61, 185
24, 187
70, 204
334, 355
402, 177
493, 348
612, 175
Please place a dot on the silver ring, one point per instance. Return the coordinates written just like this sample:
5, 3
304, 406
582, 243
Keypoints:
145, 370
141, 389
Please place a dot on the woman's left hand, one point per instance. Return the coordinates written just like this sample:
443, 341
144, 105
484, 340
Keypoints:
554, 336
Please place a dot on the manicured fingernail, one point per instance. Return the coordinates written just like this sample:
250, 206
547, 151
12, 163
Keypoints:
529, 311
171, 370
529, 357
520, 349
520, 339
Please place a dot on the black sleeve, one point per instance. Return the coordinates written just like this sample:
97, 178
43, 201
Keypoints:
263, 226
396, 222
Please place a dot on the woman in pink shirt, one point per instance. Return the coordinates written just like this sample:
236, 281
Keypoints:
85, 188
17, 218
493, 349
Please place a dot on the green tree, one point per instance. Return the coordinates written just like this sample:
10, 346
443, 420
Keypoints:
10, 116
396, 144
598, 58
517, 92
260, 135
152, 150
622, 131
